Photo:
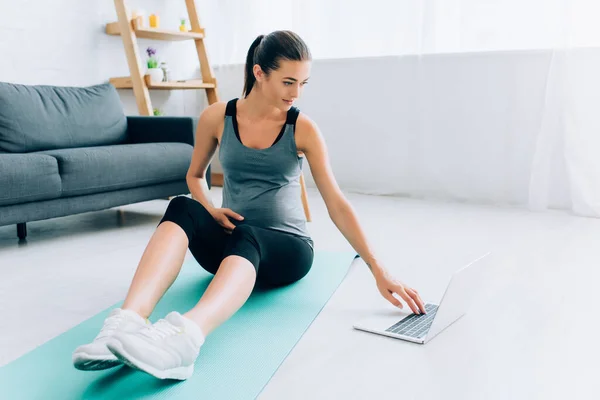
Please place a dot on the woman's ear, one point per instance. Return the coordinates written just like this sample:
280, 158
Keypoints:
259, 75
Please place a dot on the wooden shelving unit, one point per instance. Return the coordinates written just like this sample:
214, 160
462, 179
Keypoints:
127, 83
143, 32
131, 29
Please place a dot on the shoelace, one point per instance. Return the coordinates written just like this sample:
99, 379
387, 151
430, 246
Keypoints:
161, 329
110, 325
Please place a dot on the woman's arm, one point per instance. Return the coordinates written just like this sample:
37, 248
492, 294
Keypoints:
204, 149
310, 141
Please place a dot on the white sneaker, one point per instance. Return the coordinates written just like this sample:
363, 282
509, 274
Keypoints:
166, 350
95, 355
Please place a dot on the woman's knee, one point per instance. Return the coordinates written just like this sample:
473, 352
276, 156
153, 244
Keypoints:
179, 204
284, 280
178, 212
298, 267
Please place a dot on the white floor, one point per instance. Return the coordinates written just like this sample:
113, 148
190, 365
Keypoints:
531, 336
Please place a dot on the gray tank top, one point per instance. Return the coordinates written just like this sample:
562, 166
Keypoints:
263, 185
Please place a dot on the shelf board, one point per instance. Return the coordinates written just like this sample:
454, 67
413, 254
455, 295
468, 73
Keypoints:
146, 32
126, 83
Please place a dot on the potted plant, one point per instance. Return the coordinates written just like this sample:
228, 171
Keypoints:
156, 73
182, 25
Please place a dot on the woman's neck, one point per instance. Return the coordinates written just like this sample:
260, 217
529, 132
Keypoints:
256, 107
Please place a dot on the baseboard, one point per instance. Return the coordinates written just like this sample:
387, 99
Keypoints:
216, 179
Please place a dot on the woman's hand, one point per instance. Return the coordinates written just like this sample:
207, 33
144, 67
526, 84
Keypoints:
387, 286
222, 215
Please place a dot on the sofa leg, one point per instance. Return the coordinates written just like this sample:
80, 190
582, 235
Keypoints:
22, 230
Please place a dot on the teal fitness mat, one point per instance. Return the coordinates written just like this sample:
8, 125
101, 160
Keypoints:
235, 363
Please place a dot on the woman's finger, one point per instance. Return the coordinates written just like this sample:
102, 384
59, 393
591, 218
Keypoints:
402, 293
226, 223
393, 300
233, 214
415, 296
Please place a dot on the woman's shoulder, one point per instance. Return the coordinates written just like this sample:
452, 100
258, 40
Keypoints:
306, 132
212, 117
215, 112
305, 124
215, 108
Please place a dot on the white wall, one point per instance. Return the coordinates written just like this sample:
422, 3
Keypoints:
461, 127
62, 42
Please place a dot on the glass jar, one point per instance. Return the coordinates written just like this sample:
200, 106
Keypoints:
166, 71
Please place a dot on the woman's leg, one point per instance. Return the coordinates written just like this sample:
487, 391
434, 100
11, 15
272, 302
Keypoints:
170, 348
287, 259
226, 293
184, 220
275, 257
159, 266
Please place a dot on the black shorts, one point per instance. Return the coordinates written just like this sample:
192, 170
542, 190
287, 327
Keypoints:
279, 258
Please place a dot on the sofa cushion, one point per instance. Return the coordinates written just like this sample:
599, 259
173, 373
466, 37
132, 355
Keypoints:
28, 177
106, 168
34, 118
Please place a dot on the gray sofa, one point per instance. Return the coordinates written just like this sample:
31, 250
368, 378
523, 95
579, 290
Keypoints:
69, 150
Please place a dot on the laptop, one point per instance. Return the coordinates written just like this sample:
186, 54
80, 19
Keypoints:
422, 328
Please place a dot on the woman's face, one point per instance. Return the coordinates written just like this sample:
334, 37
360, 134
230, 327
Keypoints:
284, 86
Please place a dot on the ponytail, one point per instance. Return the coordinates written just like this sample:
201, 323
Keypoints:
249, 73
267, 50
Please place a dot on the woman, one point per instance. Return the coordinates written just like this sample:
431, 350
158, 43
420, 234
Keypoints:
258, 234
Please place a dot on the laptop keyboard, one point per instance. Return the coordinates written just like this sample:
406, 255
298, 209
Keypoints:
415, 325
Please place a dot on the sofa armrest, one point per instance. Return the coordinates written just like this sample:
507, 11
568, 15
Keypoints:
161, 129
164, 129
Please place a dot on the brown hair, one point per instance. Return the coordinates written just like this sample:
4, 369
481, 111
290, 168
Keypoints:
267, 50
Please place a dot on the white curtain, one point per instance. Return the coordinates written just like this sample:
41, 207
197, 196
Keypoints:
570, 126
567, 140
